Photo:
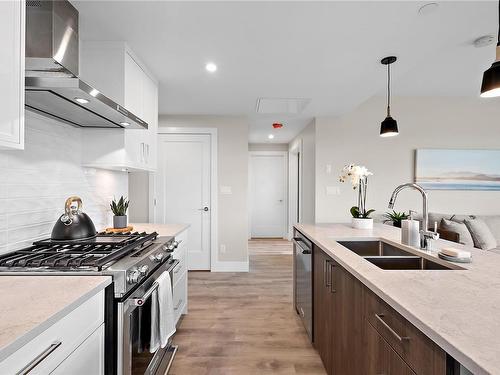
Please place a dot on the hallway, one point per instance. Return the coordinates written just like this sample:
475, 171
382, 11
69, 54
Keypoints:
243, 323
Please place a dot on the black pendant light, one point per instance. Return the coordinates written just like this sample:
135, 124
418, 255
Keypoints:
389, 127
490, 87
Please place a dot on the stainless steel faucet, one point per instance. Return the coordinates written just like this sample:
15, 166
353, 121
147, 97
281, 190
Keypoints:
426, 236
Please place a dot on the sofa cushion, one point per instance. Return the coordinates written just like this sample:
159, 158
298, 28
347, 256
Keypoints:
493, 222
460, 228
481, 234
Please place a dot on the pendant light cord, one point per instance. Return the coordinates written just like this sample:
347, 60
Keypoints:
498, 42
389, 89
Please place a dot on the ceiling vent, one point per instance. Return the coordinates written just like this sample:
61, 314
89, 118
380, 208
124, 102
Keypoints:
282, 105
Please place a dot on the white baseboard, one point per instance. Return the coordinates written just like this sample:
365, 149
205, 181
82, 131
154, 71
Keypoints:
221, 266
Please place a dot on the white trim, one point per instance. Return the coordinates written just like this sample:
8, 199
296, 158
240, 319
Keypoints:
214, 234
284, 154
294, 180
231, 267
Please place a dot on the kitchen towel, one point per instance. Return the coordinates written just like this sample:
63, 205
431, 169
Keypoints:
162, 313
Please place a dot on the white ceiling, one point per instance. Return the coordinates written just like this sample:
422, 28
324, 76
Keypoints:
326, 51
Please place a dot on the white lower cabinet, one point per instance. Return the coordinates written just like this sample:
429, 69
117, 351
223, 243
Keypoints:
87, 359
180, 277
77, 338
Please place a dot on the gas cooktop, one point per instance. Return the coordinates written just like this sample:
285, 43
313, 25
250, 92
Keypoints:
96, 253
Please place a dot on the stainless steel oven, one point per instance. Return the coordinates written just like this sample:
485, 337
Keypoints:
302, 250
134, 329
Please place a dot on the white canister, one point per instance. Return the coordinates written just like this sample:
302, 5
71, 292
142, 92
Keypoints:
410, 232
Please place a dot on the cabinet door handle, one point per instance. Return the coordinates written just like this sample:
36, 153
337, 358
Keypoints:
142, 152
326, 273
39, 358
332, 288
388, 327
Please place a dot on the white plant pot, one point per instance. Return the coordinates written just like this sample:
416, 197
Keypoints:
359, 223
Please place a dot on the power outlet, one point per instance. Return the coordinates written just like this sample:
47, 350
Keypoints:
222, 249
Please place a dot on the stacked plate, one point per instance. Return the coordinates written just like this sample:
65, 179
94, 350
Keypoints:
454, 255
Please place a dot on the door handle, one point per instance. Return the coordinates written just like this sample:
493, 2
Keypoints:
332, 287
203, 209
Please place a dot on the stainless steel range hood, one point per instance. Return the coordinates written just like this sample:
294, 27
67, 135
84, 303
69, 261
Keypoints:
52, 84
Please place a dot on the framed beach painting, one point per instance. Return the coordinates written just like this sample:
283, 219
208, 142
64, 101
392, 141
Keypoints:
458, 169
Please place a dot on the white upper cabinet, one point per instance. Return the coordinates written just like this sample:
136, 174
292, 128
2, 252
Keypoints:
12, 18
113, 69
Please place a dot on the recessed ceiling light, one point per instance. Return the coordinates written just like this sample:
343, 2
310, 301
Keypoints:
270, 136
81, 100
94, 92
428, 8
124, 123
211, 67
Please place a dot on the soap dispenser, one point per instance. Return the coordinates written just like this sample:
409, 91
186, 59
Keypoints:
410, 231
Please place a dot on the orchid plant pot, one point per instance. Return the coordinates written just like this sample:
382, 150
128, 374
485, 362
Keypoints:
120, 222
362, 223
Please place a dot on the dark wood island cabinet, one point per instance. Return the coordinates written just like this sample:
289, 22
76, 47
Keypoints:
356, 332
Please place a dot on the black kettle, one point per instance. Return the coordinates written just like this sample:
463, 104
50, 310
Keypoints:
74, 224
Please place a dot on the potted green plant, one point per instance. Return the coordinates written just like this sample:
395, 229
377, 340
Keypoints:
358, 177
395, 217
119, 209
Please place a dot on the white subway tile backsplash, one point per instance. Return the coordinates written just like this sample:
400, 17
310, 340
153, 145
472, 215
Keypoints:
35, 182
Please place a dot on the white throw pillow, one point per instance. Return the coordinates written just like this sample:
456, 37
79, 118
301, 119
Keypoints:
481, 234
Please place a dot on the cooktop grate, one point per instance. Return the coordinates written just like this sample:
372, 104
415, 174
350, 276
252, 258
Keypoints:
93, 254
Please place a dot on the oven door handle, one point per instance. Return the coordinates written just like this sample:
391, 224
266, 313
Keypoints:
140, 301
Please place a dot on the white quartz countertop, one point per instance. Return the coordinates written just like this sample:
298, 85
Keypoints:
31, 304
161, 229
458, 309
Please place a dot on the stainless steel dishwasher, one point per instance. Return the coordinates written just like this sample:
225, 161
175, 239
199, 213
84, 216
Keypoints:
302, 249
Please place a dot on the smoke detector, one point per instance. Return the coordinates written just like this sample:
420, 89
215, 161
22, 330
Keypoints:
484, 41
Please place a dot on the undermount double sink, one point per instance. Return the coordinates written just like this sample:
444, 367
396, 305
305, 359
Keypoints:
389, 257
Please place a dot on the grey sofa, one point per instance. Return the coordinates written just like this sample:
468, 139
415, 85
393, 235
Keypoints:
492, 221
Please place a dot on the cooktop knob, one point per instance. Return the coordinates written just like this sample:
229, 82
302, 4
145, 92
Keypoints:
133, 277
171, 247
176, 244
158, 257
144, 269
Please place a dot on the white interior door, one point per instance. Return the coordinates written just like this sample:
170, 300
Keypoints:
183, 190
268, 195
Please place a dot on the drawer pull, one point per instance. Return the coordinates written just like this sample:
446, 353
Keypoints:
39, 359
178, 305
393, 332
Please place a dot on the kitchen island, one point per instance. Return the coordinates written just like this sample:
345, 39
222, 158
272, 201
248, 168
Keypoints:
457, 309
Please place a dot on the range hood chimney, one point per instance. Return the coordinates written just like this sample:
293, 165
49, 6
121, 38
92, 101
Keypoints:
52, 67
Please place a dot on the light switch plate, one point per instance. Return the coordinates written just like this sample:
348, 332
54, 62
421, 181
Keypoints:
328, 169
226, 190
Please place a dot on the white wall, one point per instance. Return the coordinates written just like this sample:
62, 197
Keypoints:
35, 182
307, 138
232, 171
424, 122
138, 194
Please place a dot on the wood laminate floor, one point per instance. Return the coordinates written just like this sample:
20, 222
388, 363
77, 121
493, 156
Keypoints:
244, 323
